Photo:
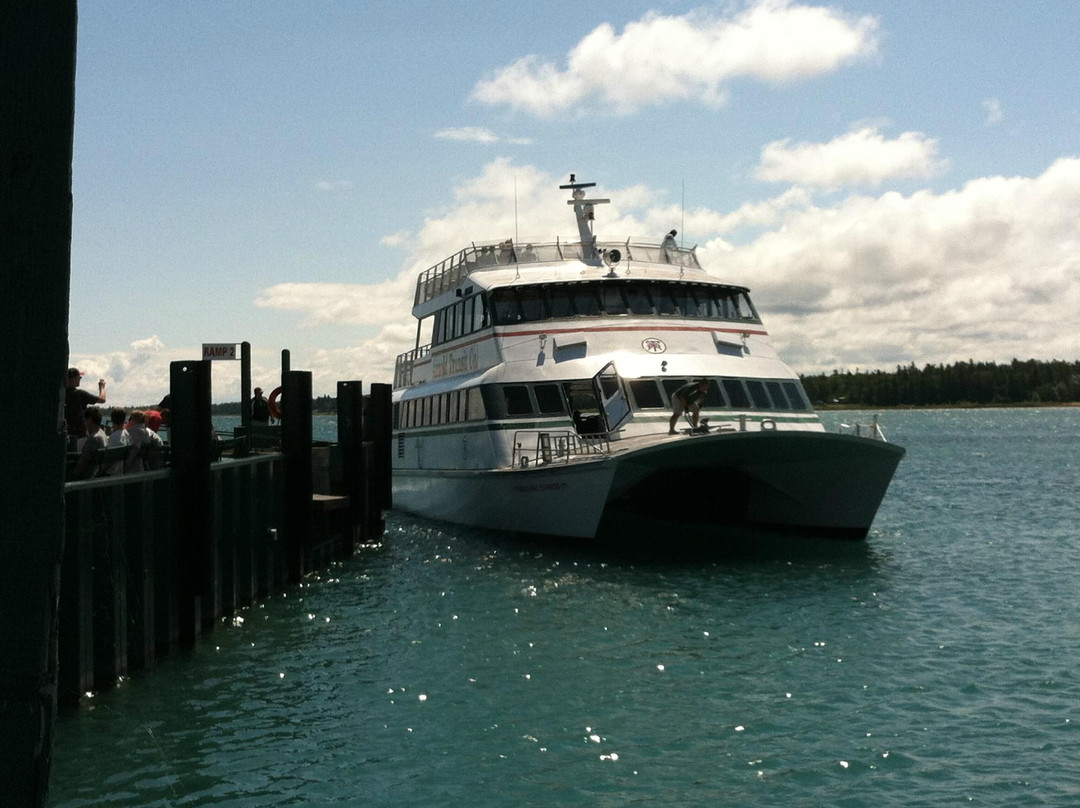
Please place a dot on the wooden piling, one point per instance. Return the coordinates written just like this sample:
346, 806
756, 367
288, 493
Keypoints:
37, 112
296, 446
189, 437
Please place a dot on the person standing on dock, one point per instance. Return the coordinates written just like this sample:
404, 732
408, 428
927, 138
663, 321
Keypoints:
86, 466
260, 408
75, 403
118, 436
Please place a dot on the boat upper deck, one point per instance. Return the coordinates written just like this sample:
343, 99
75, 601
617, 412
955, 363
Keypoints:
447, 274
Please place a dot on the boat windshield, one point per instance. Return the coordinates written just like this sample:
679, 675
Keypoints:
608, 298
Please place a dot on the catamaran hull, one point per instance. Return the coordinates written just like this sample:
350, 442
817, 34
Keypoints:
807, 483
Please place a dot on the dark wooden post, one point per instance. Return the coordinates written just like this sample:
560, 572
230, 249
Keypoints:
350, 424
296, 446
245, 397
37, 113
382, 410
189, 438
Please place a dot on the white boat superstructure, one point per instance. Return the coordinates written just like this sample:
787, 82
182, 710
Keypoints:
538, 398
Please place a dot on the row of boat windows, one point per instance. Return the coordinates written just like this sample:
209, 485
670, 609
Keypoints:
555, 398
640, 298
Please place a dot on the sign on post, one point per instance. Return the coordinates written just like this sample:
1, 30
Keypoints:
218, 351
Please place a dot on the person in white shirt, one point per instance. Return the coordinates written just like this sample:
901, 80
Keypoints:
118, 437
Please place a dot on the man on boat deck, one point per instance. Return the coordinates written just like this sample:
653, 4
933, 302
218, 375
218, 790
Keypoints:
689, 397
670, 247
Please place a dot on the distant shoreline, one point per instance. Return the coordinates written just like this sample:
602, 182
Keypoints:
1024, 405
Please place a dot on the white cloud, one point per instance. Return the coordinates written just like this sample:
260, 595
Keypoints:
479, 134
474, 134
989, 271
861, 157
994, 113
661, 58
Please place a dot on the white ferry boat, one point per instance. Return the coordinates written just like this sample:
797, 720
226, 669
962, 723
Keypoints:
539, 398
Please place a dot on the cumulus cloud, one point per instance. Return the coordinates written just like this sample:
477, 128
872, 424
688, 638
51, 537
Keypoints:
988, 271
862, 157
660, 58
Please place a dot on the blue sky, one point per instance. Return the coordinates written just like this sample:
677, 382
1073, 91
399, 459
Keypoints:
895, 181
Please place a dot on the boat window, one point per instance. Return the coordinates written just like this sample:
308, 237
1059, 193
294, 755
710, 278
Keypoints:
638, 299
748, 310
776, 392
549, 399
612, 299
736, 394
459, 318
560, 301
714, 399
516, 399
685, 301
480, 313
505, 306
586, 302
795, 396
608, 297
665, 303
757, 394
646, 394
532, 303
671, 385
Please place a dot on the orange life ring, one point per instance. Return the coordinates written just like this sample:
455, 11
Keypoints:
271, 403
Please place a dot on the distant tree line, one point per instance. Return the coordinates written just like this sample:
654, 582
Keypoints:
322, 404
964, 383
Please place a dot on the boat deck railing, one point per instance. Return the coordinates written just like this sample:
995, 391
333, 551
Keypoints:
446, 274
870, 430
544, 447
403, 365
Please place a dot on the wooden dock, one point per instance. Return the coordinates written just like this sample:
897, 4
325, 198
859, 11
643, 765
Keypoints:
155, 559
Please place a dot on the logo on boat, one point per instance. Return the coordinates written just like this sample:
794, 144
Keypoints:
653, 345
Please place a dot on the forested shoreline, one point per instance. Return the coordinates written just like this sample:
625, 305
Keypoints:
1019, 383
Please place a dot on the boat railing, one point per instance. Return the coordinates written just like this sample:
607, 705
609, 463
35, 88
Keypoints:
446, 274
544, 447
871, 430
403, 365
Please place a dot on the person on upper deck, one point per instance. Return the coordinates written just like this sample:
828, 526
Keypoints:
688, 398
670, 247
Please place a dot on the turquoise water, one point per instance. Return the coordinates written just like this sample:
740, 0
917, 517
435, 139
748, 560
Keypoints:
938, 663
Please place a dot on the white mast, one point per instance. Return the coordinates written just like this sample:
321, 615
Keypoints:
583, 209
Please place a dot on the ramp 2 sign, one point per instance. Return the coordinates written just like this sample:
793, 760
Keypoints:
219, 350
